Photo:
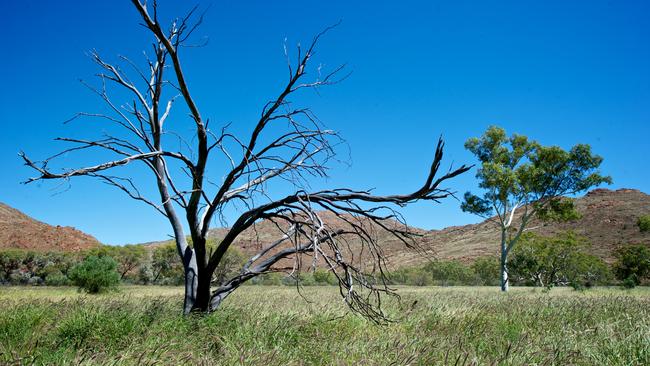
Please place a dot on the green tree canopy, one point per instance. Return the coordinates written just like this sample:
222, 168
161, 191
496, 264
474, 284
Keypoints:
519, 175
632, 263
556, 261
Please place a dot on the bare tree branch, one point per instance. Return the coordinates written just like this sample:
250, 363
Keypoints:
335, 228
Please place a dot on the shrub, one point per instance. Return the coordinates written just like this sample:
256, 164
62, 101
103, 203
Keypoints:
630, 282
450, 273
166, 266
35, 281
306, 279
644, 223
95, 274
632, 263
558, 260
418, 277
324, 277
268, 279
57, 279
19, 277
22, 267
302, 279
486, 270
413, 276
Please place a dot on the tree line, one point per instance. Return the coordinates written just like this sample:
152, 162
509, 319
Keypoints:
542, 261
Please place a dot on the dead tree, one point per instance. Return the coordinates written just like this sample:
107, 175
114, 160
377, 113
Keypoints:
295, 150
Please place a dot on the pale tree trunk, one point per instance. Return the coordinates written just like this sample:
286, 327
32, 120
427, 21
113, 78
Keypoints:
505, 284
505, 281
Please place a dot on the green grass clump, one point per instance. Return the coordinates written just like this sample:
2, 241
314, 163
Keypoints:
277, 326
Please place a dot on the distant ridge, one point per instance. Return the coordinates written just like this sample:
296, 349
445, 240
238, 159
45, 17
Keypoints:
608, 220
19, 231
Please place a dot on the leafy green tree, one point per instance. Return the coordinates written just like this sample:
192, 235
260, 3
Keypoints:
10, 261
230, 265
556, 261
522, 179
632, 264
450, 273
587, 271
166, 266
128, 257
486, 270
95, 274
644, 223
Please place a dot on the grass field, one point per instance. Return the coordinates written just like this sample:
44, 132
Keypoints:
276, 326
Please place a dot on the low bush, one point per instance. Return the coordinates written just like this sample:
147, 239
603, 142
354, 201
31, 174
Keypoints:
644, 223
486, 271
450, 273
632, 263
95, 274
324, 277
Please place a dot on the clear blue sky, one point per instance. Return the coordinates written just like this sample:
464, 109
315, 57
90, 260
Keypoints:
562, 72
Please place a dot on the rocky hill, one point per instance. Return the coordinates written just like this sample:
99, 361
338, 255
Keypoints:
608, 220
20, 231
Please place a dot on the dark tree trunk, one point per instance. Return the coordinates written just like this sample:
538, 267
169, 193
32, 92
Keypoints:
197, 284
202, 299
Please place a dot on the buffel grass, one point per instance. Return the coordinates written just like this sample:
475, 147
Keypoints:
279, 326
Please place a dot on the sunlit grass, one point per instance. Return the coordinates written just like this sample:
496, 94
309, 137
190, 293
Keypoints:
277, 325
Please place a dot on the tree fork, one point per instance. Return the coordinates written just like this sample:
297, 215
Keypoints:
297, 149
